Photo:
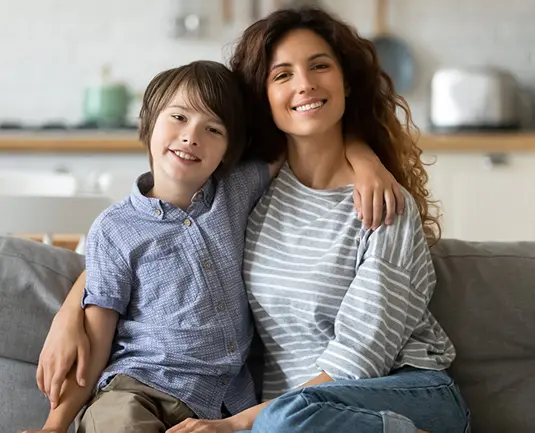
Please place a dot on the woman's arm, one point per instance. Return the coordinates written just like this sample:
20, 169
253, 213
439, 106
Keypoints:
100, 324
65, 344
374, 186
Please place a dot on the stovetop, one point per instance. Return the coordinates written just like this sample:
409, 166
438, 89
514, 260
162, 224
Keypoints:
65, 127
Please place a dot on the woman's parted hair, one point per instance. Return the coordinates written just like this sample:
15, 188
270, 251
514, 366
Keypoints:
211, 87
372, 104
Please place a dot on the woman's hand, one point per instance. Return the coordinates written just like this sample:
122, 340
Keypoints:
66, 344
191, 425
45, 430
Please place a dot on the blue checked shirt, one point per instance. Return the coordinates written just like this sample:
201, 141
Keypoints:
175, 278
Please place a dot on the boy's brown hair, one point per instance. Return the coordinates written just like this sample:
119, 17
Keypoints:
211, 88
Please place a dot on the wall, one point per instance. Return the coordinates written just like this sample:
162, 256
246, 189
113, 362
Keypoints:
50, 49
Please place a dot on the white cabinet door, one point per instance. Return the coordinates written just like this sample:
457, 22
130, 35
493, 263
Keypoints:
485, 197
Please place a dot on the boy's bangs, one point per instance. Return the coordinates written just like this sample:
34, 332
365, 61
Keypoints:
204, 95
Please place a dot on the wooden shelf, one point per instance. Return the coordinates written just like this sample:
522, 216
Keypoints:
111, 142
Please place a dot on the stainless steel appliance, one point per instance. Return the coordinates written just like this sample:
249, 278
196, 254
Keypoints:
473, 99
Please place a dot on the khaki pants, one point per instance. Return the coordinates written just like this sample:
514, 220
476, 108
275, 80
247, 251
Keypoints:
126, 405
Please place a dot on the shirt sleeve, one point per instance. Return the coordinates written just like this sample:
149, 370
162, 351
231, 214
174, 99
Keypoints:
253, 178
108, 282
385, 302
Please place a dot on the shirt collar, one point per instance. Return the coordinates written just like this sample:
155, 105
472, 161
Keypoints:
161, 209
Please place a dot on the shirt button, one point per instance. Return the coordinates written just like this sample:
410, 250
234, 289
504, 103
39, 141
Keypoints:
207, 265
231, 348
158, 212
187, 222
220, 306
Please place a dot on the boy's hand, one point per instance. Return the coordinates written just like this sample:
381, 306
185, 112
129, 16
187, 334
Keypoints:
66, 344
374, 188
191, 425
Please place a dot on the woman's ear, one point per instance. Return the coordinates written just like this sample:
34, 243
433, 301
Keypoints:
347, 90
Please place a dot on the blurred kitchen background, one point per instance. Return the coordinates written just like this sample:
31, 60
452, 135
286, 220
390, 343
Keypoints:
72, 73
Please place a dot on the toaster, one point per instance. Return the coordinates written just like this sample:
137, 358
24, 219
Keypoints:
476, 99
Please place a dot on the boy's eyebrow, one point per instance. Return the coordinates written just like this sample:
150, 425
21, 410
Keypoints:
312, 57
189, 109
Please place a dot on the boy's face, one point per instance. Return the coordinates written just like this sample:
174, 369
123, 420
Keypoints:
187, 145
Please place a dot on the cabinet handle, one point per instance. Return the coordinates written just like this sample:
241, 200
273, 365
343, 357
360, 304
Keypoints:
493, 160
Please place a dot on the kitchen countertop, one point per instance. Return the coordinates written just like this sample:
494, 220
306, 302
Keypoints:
124, 142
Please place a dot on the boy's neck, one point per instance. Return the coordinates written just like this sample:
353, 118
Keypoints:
179, 194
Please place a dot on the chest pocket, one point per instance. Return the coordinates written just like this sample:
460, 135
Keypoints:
167, 284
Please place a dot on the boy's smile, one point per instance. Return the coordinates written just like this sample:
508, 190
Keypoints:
187, 146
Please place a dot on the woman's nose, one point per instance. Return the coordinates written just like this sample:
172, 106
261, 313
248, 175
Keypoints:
305, 83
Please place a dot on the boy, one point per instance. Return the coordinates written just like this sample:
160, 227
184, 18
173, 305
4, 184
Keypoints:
164, 268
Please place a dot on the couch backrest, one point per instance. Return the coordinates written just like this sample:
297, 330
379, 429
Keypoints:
485, 300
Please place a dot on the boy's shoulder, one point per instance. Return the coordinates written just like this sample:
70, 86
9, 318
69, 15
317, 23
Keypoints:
115, 217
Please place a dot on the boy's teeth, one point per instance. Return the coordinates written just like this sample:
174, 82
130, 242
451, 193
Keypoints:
185, 155
307, 107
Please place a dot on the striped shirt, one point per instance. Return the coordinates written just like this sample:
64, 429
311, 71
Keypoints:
329, 296
175, 278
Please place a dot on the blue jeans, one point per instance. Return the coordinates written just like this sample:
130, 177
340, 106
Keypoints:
402, 402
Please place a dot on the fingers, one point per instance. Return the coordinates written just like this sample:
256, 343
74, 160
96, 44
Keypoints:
390, 201
55, 387
81, 368
366, 209
357, 203
400, 198
39, 377
377, 209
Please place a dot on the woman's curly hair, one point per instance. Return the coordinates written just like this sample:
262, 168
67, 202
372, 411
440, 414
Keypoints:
372, 105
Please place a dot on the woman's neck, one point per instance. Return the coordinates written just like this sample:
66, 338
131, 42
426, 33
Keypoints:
320, 162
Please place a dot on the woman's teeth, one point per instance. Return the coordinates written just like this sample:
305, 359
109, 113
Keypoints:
185, 155
308, 107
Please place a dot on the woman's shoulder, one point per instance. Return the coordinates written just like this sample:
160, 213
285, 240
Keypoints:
399, 242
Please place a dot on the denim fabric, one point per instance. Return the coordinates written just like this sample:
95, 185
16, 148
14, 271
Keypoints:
402, 402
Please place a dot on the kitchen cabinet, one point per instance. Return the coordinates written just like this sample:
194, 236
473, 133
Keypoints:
484, 197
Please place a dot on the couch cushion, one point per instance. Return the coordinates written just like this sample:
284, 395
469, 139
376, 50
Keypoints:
34, 279
485, 300
22, 404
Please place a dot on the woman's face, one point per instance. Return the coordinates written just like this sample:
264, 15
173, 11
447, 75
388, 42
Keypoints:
305, 85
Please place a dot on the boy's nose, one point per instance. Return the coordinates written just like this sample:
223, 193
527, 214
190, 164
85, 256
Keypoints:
188, 141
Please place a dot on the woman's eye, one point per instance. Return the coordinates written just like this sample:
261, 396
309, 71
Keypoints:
320, 66
281, 76
179, 117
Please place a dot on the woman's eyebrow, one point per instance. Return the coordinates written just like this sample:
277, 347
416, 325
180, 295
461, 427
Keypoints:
312, 57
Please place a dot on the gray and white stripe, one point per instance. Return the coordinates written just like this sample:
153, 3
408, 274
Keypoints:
328, 295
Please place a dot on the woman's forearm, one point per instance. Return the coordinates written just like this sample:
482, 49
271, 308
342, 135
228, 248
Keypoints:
73, 300
100, 324
245, 420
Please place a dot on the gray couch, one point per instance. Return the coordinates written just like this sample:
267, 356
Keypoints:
485, 299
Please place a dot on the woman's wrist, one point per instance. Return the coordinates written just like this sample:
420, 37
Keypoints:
240, 422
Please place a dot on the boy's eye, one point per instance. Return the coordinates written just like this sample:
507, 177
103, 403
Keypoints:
179, 117
214, 130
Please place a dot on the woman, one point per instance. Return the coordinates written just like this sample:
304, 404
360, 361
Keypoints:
341, 309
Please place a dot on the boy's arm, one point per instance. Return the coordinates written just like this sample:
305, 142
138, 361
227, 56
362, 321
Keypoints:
100, 324
374, 184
